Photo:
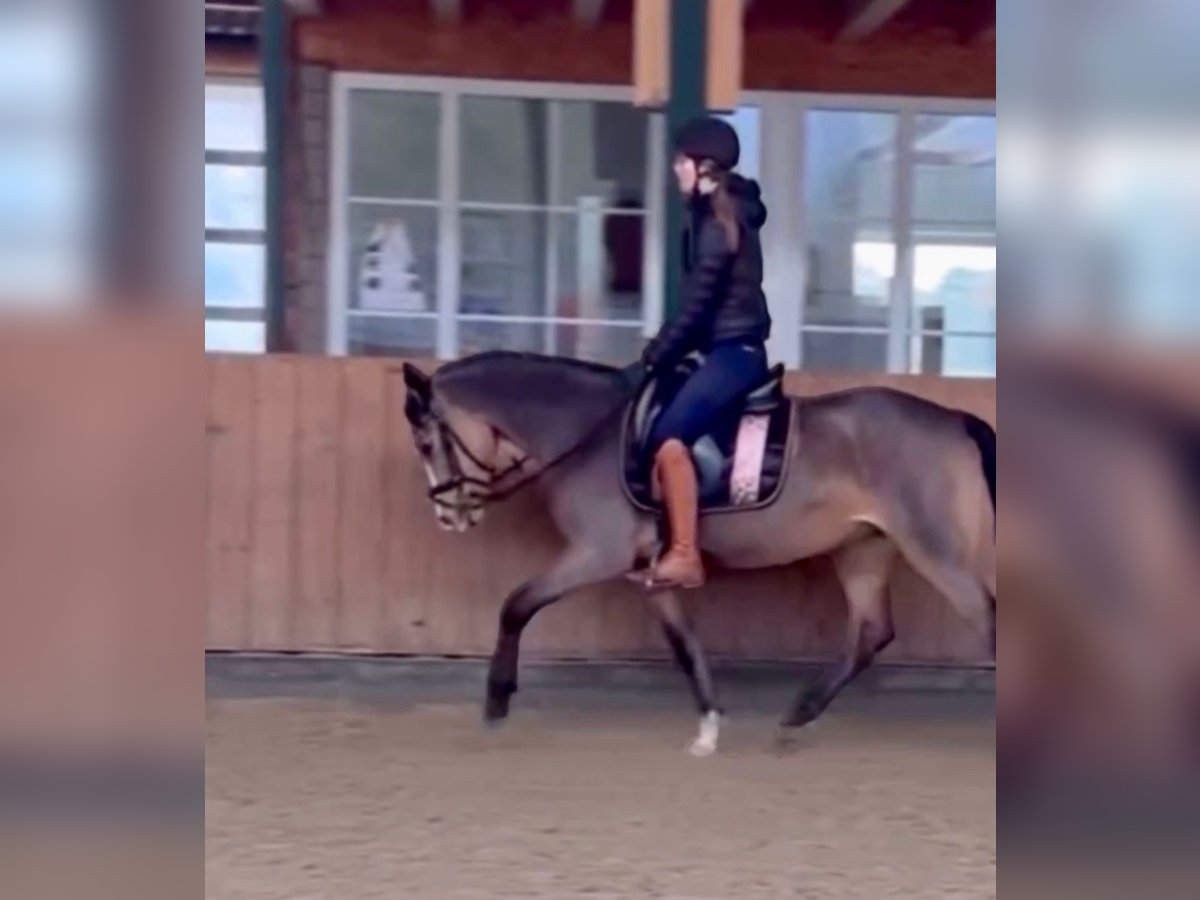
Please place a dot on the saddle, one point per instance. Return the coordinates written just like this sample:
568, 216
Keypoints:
740, 464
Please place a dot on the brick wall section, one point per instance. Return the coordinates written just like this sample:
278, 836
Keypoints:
307, 161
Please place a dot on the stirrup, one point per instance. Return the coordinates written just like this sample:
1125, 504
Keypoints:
644, 577
653, 585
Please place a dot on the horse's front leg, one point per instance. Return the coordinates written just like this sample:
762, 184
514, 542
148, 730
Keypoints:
689, 654
577, 567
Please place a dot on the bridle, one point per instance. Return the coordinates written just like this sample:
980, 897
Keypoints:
489, 489
459, 479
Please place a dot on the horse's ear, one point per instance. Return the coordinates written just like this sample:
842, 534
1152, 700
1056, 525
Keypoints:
418, 383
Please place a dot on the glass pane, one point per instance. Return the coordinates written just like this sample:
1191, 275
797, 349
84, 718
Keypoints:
602, 154
505, 150
391, 336
848, 198
393, 258
234, 337
234, 197
954, 190
394, 145
599, 265
477, 337
849, 160
955, 355
745, 121
954, 287
614, 345
504, 263
233, 117
839, 352
611, 344
234, 274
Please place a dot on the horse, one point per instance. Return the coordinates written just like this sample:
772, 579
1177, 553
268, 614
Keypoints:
872, 474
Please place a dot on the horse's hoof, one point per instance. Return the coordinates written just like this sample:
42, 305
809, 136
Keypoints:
700, 749
794, 733
802, 715
786, 739
495, 711
705, 743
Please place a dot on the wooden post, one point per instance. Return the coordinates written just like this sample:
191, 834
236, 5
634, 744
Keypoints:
689, 22
669, 65
724, 56
273, 50
651, 52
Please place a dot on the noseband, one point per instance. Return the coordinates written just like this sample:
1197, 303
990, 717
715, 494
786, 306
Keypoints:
459, 479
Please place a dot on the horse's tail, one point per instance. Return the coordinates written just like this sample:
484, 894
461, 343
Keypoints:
984, 436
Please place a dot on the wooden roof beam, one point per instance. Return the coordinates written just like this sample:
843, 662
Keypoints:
868, 16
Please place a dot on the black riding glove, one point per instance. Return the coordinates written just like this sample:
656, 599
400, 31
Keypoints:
652, 355
703, 290
635, 375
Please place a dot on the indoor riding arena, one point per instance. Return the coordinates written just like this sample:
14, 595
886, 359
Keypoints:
422, 180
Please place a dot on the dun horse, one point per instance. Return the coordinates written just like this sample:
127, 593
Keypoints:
870, 475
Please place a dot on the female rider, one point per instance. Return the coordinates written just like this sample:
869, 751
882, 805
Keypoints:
723, 315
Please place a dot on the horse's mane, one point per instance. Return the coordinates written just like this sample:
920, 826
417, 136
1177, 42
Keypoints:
546, 403
468, 364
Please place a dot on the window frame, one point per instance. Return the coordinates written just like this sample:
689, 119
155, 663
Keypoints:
237, 236
450, 205
784, 140
782, 145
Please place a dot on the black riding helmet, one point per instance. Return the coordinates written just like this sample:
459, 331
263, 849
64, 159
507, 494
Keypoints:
707, 137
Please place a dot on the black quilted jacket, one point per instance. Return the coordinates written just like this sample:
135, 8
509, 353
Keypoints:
722, 295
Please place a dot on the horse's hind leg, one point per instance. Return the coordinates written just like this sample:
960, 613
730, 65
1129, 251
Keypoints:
972, 595
690, 656
863, 568
577, 567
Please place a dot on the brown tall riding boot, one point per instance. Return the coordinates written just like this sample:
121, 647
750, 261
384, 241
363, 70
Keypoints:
681, 566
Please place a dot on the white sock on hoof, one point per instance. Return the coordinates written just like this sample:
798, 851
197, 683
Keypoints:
705, 743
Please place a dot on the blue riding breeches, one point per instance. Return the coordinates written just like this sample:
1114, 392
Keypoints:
729, 373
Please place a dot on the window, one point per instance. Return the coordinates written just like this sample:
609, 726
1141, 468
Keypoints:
848, 198
473, 215
393, 222
941, 170
531, 220
551, 219
953, 327
234, 218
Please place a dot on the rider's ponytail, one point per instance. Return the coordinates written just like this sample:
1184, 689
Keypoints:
725, 212
723, 205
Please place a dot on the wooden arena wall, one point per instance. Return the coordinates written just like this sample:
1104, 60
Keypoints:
320, 538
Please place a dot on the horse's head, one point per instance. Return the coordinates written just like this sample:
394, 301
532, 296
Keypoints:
461, 452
